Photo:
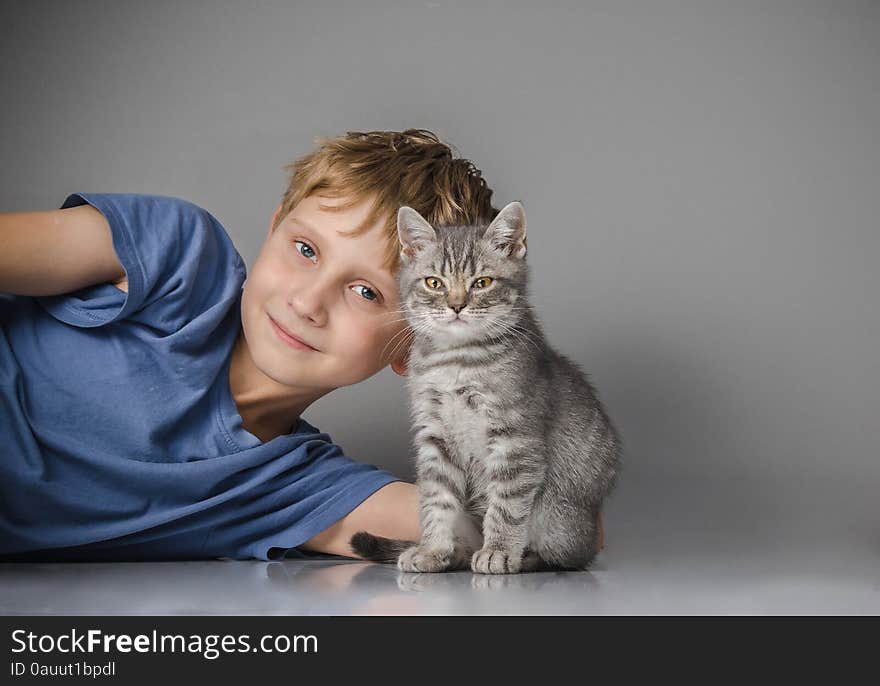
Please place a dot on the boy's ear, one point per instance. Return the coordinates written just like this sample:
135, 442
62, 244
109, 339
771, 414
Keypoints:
507, 232
400, 363
413, 232
400, 366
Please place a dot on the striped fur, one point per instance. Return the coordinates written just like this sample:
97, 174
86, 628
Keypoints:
515, 453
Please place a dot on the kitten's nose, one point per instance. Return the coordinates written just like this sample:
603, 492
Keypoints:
458, 308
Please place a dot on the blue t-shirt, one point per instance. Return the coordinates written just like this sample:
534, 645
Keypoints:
119, 435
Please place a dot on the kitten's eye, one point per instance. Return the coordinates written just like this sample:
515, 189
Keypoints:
433, 282
307, 247
483, 281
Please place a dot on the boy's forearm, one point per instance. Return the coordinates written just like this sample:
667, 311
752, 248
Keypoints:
392, 512
56, 251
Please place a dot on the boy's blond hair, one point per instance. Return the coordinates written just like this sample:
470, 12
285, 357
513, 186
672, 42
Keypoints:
393, 168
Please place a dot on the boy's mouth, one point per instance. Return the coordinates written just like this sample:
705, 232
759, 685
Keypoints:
289, 338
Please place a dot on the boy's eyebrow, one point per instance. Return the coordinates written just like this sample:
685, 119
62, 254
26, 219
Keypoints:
388, 279
304, 224
310, 227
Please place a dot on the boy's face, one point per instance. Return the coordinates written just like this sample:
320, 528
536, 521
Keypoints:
329, 290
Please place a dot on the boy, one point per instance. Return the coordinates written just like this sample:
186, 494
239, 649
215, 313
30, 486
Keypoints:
152, 391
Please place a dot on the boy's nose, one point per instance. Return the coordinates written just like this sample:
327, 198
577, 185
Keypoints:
309, 304
311, 314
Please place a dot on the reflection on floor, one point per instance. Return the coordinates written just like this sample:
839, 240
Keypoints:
734, 550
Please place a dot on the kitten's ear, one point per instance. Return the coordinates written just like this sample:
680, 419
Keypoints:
507, 232
413, 232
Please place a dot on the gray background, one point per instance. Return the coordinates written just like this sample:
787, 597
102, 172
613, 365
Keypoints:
702, 184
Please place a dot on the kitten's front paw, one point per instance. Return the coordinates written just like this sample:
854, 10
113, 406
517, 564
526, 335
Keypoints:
422, 559
495, 561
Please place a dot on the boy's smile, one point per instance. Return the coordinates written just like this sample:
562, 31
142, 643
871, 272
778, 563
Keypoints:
332, 293
294, 341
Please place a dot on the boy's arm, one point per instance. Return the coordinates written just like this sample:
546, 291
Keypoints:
56, 251
392, 512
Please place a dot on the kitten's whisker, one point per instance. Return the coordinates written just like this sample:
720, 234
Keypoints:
403, 319
409, 334
404, 333
390, 312
516, 332
528, 334
402, 341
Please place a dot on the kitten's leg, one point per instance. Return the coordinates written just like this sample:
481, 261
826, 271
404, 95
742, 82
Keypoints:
441, 483
569, 542
513, 481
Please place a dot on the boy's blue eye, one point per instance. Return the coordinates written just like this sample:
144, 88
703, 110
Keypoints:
374, 297
369, 290
307, 246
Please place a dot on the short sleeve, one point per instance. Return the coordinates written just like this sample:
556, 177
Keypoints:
179, 262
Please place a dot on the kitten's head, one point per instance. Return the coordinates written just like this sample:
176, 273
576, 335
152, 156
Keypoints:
460, 283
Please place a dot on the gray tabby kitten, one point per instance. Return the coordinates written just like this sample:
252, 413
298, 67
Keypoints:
515, 453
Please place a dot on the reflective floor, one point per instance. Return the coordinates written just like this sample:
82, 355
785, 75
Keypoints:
735, 548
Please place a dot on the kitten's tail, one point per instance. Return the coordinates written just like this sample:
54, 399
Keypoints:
377, 548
